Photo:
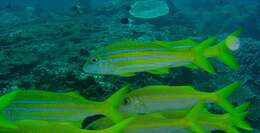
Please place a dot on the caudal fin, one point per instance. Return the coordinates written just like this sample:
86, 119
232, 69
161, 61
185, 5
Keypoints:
193, 117
239, 121
199, 59
237, 114
111, 105
223, 94
222, 51
6, 100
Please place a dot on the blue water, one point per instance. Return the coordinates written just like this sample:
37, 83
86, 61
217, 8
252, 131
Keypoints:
44, 44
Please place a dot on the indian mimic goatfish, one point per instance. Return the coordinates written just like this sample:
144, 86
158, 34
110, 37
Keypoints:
36, 126
180, 121
55, 107
160, 97
125, 58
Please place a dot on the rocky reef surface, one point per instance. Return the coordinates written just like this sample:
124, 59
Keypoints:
47, 49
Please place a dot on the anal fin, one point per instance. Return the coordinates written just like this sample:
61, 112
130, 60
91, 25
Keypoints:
192, 66
127, 74
160, 71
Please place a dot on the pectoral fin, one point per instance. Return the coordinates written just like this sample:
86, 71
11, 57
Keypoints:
185, 43
6, 123
77, 124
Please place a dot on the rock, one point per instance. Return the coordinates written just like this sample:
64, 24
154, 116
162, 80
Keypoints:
147, 9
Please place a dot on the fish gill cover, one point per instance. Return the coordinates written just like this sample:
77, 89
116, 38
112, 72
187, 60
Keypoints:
45, 44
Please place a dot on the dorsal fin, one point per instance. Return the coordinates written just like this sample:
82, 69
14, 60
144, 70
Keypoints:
78, 96
73, 93
181, 44
127, 44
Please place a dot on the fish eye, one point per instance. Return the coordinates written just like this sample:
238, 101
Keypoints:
126, 101
94, 60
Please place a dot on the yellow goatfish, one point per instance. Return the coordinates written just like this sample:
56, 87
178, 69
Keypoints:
155, 122
56, 107
224, 122
160, 97
125, 58
36, 126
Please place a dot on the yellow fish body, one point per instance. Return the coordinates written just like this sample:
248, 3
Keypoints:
125, 58
55, 107
36, 126
197, 120
156, 98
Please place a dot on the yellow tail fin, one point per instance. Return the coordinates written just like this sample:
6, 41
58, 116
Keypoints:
222, 50
199, 59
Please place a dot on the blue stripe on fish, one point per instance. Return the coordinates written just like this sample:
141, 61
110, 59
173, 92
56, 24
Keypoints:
42, 109
146, 66
156, 64
49, 118
139, 57
76, 117
45, 101
184, 46
144, 49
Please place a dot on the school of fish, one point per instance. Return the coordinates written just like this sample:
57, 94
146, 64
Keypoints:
150, 109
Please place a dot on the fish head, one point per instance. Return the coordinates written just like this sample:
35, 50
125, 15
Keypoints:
97, 65
132, 105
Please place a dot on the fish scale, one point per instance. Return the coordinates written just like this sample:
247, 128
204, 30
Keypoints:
143, 61
69, 107
128, 57
176, 97
41, 108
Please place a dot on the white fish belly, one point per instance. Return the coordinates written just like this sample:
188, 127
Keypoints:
159, 130
160, 105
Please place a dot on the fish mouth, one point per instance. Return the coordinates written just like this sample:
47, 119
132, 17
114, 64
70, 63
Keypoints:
92, 69
104, 69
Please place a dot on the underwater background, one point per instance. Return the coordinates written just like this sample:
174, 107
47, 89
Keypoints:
44, 44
